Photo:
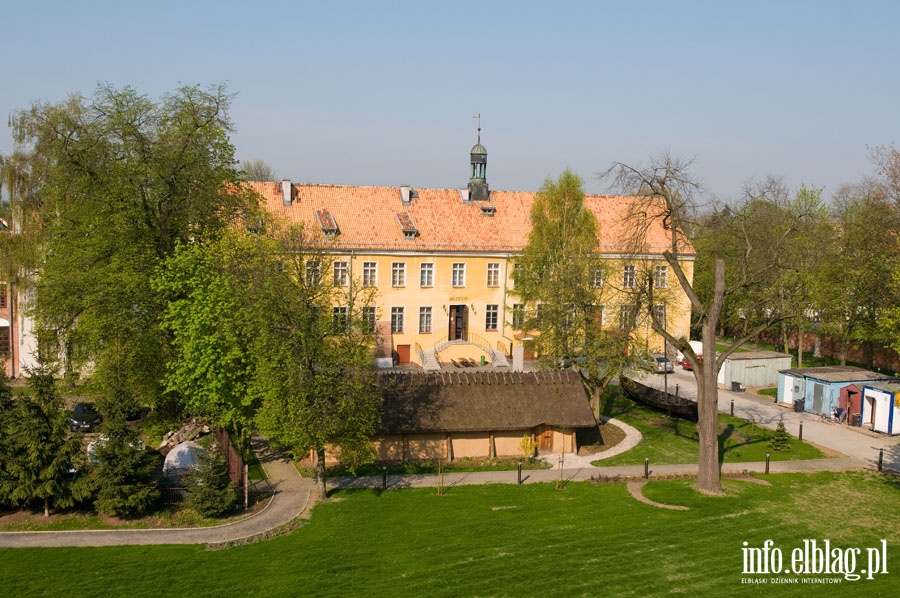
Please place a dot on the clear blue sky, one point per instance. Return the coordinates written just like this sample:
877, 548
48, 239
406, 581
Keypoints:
382, 93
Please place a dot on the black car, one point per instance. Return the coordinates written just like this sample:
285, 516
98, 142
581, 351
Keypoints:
84, 417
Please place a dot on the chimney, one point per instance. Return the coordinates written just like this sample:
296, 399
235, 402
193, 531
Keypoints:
286, 192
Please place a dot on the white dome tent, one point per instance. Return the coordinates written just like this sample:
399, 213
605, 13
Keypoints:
182, 458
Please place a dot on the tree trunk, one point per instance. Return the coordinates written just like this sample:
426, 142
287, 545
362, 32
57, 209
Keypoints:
46, 506
708, 394
320, 473
799, 347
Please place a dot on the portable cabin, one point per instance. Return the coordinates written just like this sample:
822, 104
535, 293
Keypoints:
818, 390
753, 368
881, 408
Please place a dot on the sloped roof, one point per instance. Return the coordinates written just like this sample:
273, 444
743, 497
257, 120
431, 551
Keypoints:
483, 401
366, 218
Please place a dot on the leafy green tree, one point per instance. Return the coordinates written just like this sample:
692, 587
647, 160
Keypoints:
41, 452
314, 373
560, 279
209, 291
855, 297
209, 489
106, 188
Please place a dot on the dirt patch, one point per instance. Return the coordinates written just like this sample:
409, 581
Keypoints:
611, 436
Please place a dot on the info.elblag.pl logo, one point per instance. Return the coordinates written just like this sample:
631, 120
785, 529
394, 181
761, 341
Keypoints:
814, 558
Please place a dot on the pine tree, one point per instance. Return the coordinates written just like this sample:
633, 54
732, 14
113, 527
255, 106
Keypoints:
781, 440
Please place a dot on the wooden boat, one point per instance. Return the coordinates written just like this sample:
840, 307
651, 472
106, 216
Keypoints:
659, 399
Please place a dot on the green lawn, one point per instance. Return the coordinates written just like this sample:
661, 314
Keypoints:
504, 540
672, 440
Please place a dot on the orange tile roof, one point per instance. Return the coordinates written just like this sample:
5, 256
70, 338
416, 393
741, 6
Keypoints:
367, 218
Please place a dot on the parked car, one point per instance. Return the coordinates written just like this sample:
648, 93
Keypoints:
686, 365
84, 417
662, 364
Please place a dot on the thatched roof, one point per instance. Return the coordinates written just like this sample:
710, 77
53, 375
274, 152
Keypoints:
483, 401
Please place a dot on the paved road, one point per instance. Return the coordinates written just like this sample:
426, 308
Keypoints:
855, 442
292, 496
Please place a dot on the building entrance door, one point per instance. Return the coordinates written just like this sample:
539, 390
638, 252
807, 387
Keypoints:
459, 325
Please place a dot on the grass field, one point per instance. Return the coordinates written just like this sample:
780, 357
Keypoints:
499, 540
669, 440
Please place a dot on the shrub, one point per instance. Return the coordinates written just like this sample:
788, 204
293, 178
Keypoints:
209, 489
781, 440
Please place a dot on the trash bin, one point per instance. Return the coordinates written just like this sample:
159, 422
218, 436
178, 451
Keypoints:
483, 360
737, 387
798, 405
856, 419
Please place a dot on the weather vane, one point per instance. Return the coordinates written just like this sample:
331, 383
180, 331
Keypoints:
478, 116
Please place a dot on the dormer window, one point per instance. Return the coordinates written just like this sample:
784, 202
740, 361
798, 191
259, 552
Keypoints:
327, 222
407, 225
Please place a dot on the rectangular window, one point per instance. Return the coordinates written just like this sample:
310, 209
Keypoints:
3, 294
491, 315
627, 317
426, 275
518, 315
459, 274
517, 272
397, 319
341, 274
368, 319
339, 318
4, 340
597, 277
424, 320
629, 277
493, 274
661, 280
370, 274
661, 314
398, 274
313, 272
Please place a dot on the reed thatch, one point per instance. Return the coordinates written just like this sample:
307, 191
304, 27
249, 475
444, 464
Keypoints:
482, 401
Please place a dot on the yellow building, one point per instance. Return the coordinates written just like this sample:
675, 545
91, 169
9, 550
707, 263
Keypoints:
442, 262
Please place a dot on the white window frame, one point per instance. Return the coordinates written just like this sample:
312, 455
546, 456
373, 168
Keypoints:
313, 272
397, 314
493, 274
597, 277
425, 319
370, 318
629, 276
661, 278
341, 273
518, 315
340, 317
426, 275
370, 274
491, 317
398, 274
458, 277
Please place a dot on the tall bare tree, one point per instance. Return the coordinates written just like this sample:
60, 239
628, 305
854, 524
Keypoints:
671, 195
257, 170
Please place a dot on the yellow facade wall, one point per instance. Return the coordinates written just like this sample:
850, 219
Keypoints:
476, 294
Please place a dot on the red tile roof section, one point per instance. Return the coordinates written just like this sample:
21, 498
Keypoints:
367, 218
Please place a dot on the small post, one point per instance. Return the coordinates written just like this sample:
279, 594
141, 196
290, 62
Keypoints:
880, 459
767, 463
801, 432
559, 474
676, 391
646, 468
440, 478
384, 477
519, 482
732, 407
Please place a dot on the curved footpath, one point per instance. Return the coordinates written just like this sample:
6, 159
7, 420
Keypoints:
291, 498
858, 447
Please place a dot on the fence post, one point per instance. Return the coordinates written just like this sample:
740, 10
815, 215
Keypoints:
801, 432
880, 459
646, 468
767, 463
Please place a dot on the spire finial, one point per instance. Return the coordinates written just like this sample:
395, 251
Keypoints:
478, 116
